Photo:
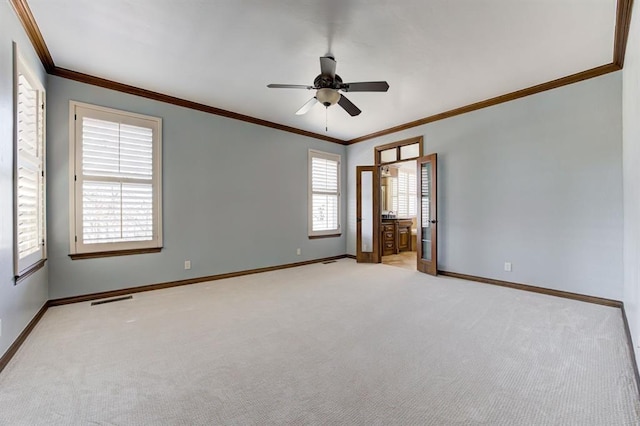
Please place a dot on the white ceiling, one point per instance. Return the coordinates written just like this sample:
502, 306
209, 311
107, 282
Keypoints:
436, 54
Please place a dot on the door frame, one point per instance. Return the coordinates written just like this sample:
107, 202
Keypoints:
377, 222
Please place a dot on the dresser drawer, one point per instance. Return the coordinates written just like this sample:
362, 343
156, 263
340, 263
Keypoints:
387, 227
389, 235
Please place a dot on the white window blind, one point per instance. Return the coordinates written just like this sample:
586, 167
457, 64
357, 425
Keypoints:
413, 195
324, 182
117, 189
406, 194
29, 170
394, 195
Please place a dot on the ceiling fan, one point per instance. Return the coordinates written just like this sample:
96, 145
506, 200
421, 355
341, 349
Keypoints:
327, 86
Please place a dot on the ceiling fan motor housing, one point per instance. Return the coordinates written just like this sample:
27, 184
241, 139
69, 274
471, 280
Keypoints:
327, 82
327, 86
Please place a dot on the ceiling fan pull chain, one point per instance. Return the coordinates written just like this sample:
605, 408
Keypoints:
326, 119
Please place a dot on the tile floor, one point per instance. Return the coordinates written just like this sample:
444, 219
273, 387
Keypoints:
405, 259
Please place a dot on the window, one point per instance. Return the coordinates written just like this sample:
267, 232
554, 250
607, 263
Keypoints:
406, 199
116, 183
29, 173
403, 150
394, 194
324, 194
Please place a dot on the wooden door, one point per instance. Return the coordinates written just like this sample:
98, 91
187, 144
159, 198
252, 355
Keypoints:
427, 215
367, 214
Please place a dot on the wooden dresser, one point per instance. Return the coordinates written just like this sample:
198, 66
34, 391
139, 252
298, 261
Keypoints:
396, 236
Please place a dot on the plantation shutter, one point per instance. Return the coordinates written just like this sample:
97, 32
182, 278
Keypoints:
394, 195
403, 196
117, 192
117, 187
325, 195
413, 195
406, 194
29, 172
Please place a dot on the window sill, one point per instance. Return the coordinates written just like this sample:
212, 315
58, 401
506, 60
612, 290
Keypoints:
317, 237
32, 270
97, 254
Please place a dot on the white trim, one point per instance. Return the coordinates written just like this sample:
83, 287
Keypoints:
20, 66
72, 174
332, 157
75, 209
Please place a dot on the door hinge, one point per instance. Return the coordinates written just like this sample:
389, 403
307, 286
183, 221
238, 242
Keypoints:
43, 107
75, 116
42, 172
76, 238
75, 178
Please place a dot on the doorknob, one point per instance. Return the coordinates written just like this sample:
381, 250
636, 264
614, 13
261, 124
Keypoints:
358, 219
433, 221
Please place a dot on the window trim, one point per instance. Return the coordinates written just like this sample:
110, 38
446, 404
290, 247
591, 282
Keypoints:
22, 271
330, 232
82, 251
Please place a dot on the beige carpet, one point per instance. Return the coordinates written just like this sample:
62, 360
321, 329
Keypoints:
325, 344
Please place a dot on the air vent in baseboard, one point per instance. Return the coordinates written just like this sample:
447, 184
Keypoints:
115, 299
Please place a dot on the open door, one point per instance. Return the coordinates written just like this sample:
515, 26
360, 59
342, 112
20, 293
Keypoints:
427, 215
367, 214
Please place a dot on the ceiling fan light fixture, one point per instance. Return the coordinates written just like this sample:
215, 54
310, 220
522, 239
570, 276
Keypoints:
327, 97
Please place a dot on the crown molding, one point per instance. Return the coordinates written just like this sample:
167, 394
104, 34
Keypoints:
132, 90
554, 84
623, 23
33, 32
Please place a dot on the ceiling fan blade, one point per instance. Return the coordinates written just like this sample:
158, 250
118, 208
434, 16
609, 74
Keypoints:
366, 86
348, 106
288, 86
328, 66
307, 106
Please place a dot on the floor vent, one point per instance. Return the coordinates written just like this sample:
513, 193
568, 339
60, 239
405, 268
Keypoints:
116, 299
328, 262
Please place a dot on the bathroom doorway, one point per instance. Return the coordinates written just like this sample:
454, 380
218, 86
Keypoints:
390, 234
399, 199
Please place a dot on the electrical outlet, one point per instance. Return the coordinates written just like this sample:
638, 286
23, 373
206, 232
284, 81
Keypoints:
187, 264
298, 251
507, 266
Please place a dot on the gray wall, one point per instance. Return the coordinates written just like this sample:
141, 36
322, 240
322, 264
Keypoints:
536, 182
234, 196
18, 303
631, 172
